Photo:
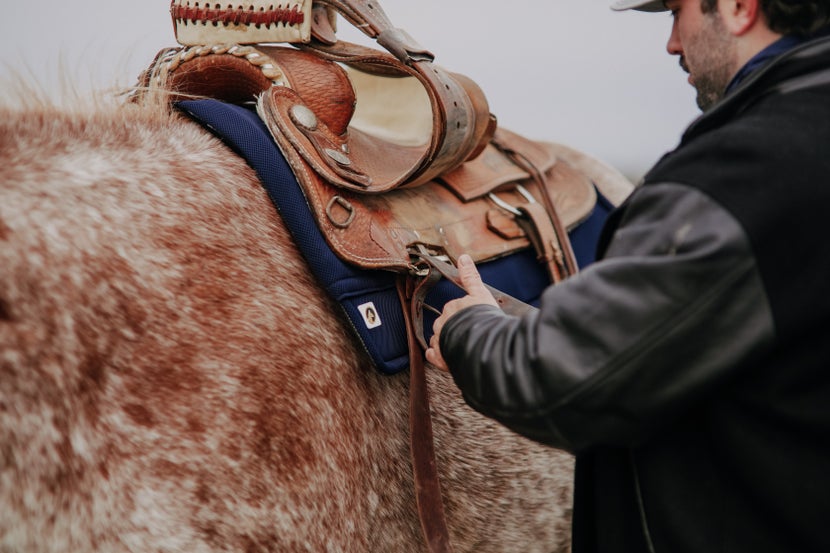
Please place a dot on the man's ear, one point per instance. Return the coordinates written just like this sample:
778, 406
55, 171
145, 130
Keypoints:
740, 16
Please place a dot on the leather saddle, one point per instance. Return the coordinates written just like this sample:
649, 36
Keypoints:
400, 160
394, 153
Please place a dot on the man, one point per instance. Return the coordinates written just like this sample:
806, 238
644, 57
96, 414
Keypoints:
689, 368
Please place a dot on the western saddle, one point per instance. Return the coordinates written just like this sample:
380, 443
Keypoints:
401, 162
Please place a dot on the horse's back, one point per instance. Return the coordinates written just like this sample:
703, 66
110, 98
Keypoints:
172, 378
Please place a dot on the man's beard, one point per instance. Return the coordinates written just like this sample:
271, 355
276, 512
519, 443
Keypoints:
713, 53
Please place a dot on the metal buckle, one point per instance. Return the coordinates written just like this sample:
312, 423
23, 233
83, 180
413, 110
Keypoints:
509, 208
421, 269
418, 267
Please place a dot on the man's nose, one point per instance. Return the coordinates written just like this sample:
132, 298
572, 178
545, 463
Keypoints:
674, 46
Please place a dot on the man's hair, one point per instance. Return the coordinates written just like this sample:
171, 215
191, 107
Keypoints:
789, 17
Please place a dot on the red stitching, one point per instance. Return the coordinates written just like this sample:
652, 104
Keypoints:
238, 16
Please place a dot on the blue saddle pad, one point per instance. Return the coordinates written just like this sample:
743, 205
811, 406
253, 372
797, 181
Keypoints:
369, 298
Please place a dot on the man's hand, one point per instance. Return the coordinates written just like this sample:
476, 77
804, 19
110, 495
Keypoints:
477, 295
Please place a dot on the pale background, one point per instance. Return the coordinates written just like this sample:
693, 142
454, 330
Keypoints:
571, 71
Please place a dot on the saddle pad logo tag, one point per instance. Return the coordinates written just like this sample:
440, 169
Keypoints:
371, 317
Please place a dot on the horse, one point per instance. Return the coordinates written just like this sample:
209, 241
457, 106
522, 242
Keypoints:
172, 378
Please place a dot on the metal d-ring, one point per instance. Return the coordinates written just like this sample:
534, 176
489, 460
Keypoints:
345, 204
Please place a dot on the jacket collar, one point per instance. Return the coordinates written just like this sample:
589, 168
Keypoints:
801, 59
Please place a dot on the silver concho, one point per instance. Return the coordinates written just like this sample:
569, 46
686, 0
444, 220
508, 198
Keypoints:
303, 117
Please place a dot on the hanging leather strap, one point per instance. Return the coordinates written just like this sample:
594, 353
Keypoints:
536, 222
412, 292
422, 447
566, 266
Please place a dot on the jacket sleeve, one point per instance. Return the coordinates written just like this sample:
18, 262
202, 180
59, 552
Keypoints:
675, 309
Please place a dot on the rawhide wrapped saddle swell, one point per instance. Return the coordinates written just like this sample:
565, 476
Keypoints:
400, 161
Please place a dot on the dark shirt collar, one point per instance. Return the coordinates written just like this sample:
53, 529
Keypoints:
780, 46
760, 59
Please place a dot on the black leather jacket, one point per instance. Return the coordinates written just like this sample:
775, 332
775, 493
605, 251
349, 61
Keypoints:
689, 369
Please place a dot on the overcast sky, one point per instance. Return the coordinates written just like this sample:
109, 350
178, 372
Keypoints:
570, 71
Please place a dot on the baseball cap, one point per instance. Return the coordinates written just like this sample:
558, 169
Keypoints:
640, 5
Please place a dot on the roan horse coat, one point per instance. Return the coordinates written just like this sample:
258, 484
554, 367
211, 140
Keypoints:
173, 379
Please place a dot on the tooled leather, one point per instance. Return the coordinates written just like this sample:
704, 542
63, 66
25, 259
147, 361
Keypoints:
492, 168
572, 193
459, 126
460, 113
275, 108
364, 242
391, 224
323, 85
461, 119
431, 214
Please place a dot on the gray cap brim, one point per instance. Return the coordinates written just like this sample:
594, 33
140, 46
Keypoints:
640, 5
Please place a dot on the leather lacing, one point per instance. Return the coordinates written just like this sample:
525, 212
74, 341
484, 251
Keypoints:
205, 14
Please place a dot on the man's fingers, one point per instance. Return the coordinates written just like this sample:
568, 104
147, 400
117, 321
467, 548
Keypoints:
478, 294
472, 283
433, 356
470, 278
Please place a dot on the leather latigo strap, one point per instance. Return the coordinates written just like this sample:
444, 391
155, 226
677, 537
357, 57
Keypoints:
412, 293
428, 496
437, 266
543, 223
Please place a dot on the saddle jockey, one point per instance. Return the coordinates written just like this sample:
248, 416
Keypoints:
689, 369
